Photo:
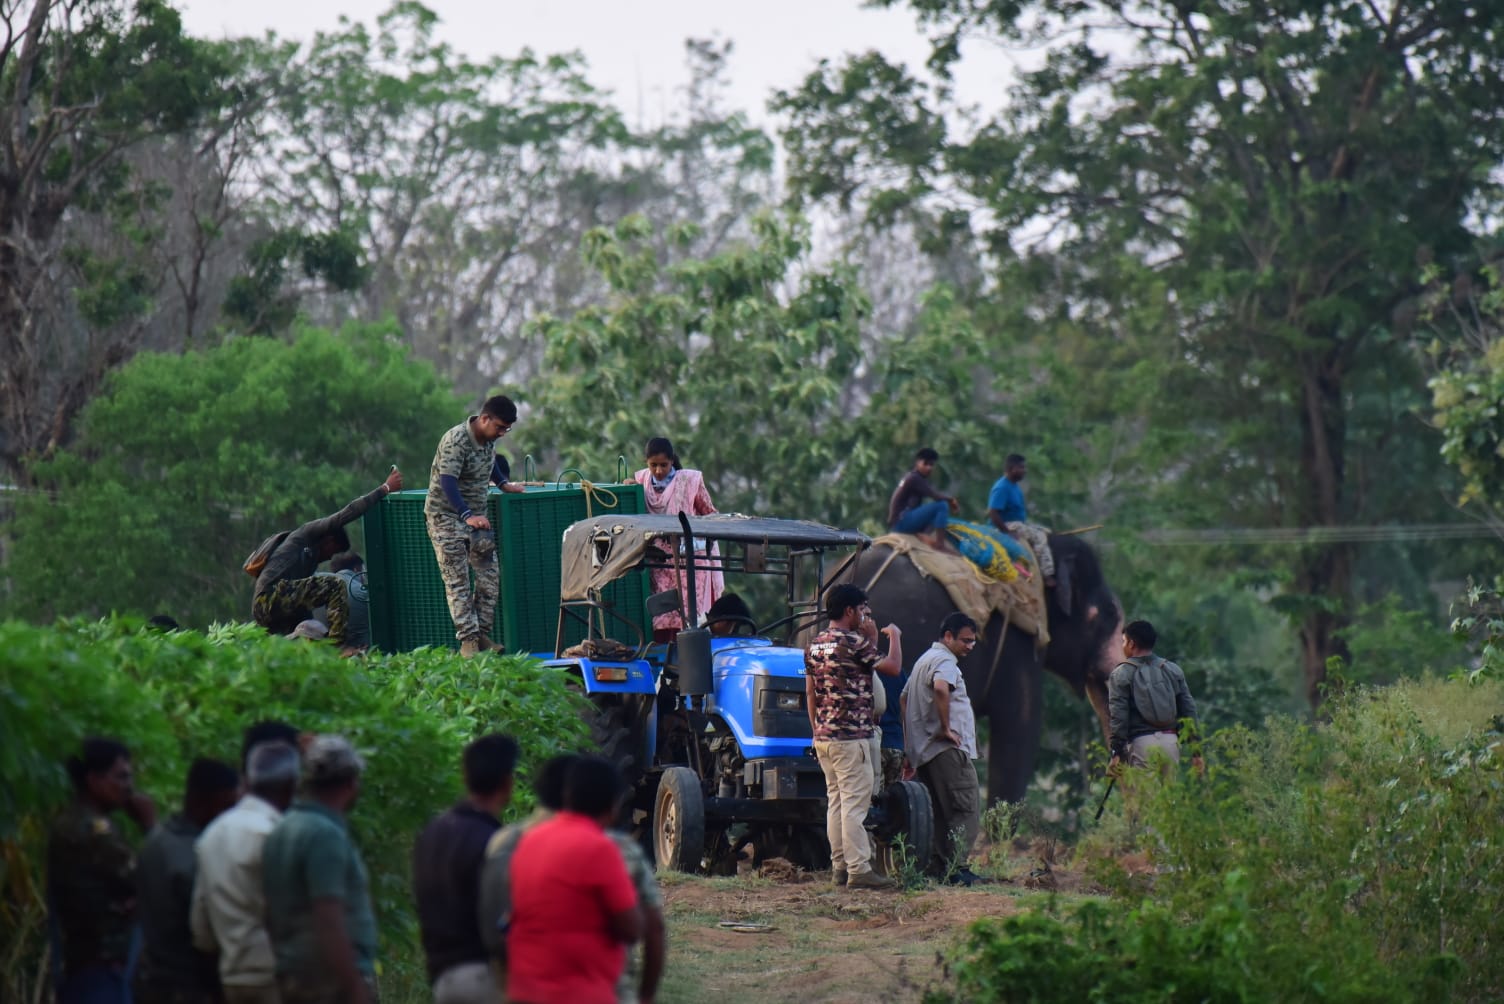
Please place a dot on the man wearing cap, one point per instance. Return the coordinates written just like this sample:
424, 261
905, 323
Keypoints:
464, 465
229, 904
318, 905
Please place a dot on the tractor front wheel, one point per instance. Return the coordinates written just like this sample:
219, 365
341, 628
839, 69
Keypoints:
679, 821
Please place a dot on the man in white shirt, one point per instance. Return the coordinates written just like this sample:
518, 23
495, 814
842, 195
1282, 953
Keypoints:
229, 904
940, 740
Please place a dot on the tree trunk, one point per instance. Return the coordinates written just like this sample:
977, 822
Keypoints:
1323, 573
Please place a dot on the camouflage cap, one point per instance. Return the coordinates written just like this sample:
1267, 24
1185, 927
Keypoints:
331, 758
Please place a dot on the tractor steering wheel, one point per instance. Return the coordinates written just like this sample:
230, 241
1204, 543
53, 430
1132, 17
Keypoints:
738, 621
792, 621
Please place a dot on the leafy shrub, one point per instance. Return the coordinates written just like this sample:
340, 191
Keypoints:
1356, 860
171, 697
186, 462
1098, 952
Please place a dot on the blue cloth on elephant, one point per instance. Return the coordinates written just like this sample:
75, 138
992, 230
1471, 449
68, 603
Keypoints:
991, 550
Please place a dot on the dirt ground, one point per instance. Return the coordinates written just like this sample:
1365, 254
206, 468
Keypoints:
802, 940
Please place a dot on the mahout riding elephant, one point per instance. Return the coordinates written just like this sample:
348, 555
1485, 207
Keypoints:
1006, 686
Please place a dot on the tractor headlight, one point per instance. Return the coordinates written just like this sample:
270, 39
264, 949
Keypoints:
790, 702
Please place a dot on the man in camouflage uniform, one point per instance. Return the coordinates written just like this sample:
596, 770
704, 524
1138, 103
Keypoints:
91, 877
838, 665
287, 590
464, 466
640, 978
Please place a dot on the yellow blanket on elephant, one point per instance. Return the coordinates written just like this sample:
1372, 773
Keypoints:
1021, 601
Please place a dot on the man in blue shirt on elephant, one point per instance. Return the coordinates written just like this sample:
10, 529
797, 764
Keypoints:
1009, 513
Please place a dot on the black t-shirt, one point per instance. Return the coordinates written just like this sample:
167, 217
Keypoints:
912, 490
447, 861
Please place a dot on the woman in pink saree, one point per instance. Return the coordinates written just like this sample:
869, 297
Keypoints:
670, 490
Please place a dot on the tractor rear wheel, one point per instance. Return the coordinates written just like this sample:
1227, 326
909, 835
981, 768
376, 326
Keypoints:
679, 821
907, 833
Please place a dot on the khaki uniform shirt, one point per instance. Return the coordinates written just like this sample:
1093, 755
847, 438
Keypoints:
921, 721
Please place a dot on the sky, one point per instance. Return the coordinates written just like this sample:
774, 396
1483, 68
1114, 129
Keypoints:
635, 48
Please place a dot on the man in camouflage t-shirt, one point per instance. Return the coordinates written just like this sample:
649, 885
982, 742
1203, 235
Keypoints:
464, 466
838, 668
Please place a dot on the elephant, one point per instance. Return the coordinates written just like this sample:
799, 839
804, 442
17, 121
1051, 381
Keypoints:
1085, 620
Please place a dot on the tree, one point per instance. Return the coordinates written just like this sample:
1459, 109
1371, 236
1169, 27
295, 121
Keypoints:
1255, 185
186, 462
84, 83
447, 183
738, 361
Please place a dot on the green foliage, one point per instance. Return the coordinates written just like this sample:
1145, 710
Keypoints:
86, 84
1390, 643
1097, 951
1346, 861
171, 697
187, 462
1237, 196
1467, 392
702, 348
259, 302
1478, 623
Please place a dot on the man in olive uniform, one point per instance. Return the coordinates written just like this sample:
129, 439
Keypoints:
91, 877
287, 590
464, 466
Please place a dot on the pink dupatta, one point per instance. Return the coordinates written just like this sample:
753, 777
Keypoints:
685, 494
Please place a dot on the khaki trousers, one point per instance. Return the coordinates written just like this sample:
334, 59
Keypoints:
1166, 742
849, 775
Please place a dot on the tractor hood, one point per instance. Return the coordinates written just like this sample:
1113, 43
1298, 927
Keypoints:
755, 659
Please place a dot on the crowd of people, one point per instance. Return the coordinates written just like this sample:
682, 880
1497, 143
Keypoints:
256, 892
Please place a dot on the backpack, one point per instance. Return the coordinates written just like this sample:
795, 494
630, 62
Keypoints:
1153, 691
259, 557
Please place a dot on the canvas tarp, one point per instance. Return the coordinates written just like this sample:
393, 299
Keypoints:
976, 595
600, 550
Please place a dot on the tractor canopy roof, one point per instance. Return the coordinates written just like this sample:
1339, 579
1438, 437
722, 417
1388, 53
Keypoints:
599, 550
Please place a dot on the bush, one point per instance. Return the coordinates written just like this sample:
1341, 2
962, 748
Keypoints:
1355, 860
171, 697
184, 463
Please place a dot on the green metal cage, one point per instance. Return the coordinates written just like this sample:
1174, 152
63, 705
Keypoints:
408, 609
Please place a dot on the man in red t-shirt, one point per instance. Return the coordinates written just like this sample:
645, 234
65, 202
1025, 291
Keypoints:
574, 907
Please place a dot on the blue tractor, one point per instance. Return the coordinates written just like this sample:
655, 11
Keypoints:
712, 730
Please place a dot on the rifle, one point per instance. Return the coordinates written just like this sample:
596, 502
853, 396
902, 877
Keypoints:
1110, 782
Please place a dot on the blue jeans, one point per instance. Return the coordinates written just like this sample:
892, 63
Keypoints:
96, 985
929, 516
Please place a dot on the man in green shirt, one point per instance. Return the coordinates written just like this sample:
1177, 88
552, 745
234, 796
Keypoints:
318, 903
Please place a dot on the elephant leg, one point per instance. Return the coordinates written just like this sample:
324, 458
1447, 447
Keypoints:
1015, 709
1096, 693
